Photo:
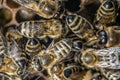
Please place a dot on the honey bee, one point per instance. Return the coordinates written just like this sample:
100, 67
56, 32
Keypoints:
33, 46
109, 37
103, 58
44, 8
111, 74
40, 29
106, 12
81, 27
71, 70
55, 54
19, 57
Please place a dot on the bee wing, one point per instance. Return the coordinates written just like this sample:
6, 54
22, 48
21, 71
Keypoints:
14, 47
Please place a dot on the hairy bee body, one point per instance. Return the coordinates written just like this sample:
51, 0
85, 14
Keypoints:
30, 28
56, 53
61, 49
106, 12
44, 8
81, 27
49, 58
41, 29
104, 58
33, 46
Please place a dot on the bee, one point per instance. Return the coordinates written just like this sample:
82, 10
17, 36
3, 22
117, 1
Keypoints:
44, 8
40, 29
54, 54
111, 74
19, 57
81, 27
106, 13
103, 58
109, 37
33, 46
71, 70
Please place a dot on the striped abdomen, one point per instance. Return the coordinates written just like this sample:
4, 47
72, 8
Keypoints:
71, 70
106, 12
30, 28
33, 46
80, 26
62, 48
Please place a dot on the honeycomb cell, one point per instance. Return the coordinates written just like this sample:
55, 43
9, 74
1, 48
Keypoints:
5, 16
24, 15
12, 4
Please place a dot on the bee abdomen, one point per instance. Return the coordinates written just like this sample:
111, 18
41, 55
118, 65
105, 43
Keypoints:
68, 71
33, 46
27, 29
63, 48
78, 25
107, 12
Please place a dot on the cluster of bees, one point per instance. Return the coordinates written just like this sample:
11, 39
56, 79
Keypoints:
66, 45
